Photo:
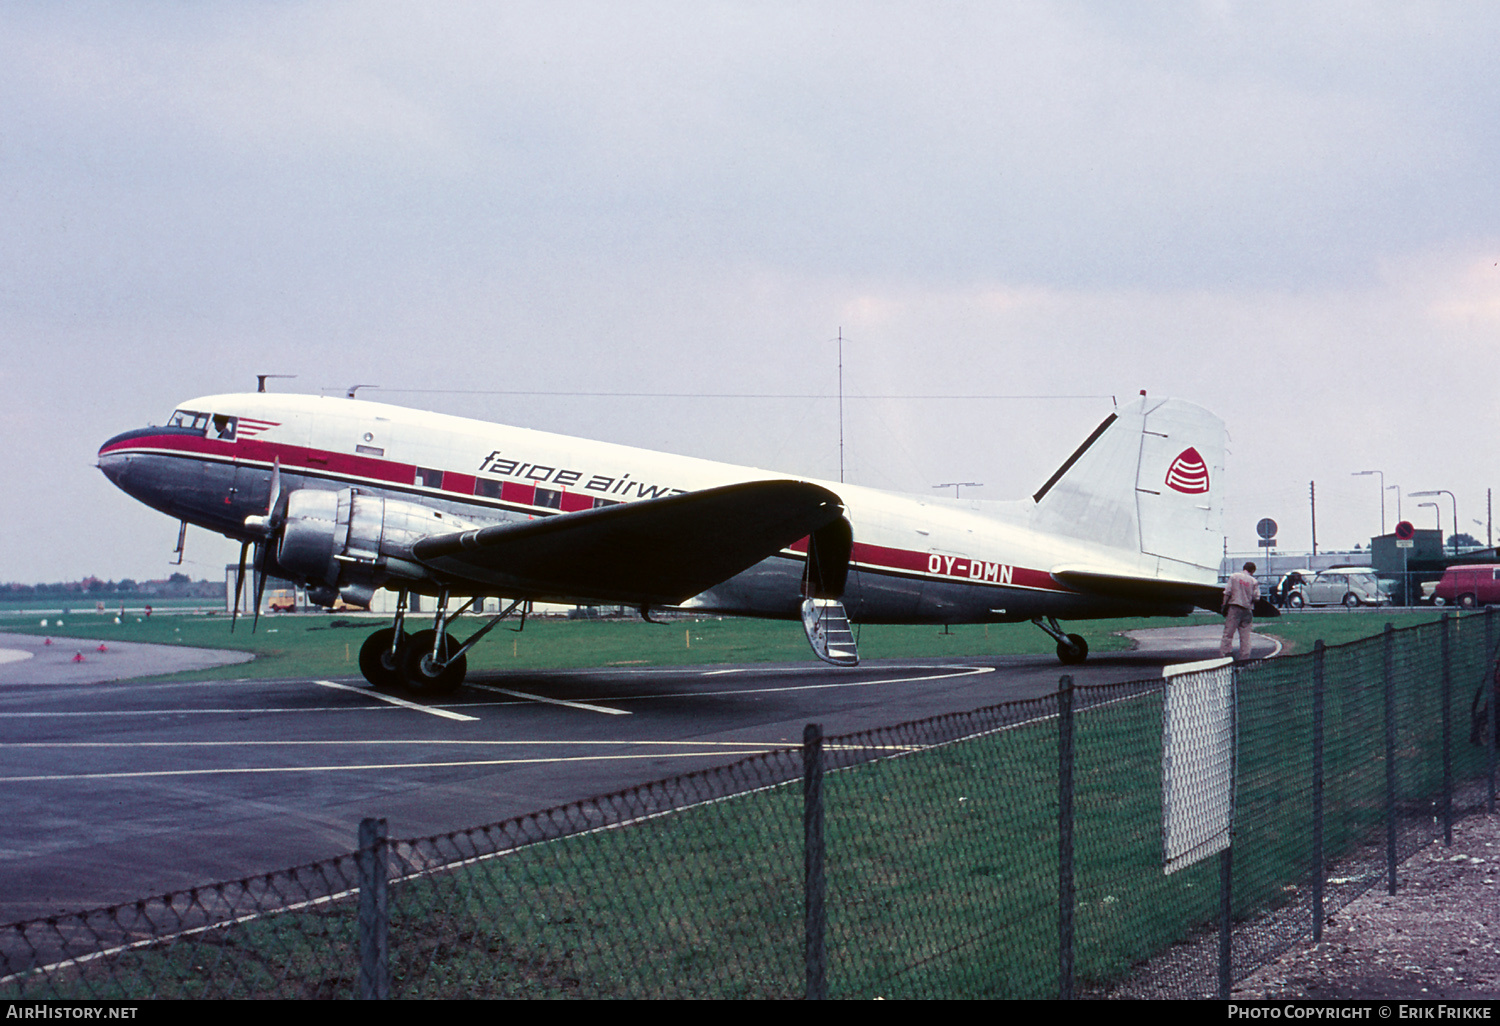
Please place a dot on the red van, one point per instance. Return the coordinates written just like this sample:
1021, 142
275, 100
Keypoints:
1477, 584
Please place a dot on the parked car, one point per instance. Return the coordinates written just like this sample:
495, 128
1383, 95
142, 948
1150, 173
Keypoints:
1477, 584
1281, 591
1349, 586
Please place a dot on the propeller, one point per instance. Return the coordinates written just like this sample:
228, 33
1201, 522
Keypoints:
264, 526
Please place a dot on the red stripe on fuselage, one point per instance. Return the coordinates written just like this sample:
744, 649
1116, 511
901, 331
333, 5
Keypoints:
294, 458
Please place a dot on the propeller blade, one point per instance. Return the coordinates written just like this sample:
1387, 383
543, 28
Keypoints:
260, 582
275, 488
239, 586
264, 525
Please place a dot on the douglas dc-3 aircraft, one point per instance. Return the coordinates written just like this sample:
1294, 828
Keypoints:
346, 496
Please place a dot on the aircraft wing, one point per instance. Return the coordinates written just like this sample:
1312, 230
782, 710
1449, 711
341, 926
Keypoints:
655, 551
1154, 590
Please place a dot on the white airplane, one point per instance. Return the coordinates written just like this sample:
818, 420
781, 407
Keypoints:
345, 496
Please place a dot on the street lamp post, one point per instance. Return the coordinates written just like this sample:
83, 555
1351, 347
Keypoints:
1367, 473
1444, 491
1438, 512
1398, 500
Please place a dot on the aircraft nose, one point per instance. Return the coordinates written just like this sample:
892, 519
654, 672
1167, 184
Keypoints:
113, 460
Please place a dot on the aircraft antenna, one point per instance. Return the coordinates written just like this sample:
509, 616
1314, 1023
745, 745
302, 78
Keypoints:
355, 388
841, 404
956, 485
260, 380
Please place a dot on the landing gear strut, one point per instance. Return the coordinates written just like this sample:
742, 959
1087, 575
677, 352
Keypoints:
428, 663
1072, 649
382, 654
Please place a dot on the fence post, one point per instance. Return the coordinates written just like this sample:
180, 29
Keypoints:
374, 915
1065, 838
1317, 786
1492, 678
1390, 758
813, 881
1447, 731
1226, 919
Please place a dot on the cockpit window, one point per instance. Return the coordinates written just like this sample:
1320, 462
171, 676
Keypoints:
189, 419
213, 425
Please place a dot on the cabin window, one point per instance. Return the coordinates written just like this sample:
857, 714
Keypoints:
429, 478
369, 450
488, 489
549, 498
223, 428
606, 502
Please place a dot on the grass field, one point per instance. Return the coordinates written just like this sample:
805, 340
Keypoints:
321, 645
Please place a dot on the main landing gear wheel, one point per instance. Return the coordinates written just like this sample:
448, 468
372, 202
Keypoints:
376, 662
422, 675
1073, 651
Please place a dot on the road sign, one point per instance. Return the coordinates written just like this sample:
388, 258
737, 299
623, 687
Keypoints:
1266, 528
1405, 531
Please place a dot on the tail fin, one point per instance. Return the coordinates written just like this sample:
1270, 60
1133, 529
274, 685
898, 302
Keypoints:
1147, 481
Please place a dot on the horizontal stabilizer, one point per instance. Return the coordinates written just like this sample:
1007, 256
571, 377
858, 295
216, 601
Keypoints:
1152, 589
653, 551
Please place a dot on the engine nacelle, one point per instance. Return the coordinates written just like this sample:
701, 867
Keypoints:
345, 543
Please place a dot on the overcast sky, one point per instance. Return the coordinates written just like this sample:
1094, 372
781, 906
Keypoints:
1286, 212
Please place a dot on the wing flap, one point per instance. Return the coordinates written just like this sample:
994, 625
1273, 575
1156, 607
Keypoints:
656, 551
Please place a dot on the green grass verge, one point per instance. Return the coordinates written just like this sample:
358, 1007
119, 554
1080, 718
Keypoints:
325, 645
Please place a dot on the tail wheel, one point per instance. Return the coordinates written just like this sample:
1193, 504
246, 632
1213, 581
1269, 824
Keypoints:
1072, 651
422, 675
376, 661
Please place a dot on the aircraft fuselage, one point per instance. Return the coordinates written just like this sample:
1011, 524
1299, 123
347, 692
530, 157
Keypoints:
914, 559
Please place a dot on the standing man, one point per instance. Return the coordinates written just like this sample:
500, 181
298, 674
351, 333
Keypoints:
1240, 594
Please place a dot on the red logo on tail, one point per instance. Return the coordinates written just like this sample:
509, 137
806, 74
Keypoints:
1188, 473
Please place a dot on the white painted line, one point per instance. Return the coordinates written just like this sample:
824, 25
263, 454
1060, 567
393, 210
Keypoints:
446, 714
12, 655
553, 701
715, 673
749, 746
361, 768
959, 671
257, 710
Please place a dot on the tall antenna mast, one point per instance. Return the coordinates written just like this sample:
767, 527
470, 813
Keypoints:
841, 404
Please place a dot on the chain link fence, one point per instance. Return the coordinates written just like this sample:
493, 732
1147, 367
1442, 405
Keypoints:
1153, 838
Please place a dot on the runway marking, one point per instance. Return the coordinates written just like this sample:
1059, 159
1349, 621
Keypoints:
553, 701
446, 714
960, 671
753, 746
715, 673
360, 768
